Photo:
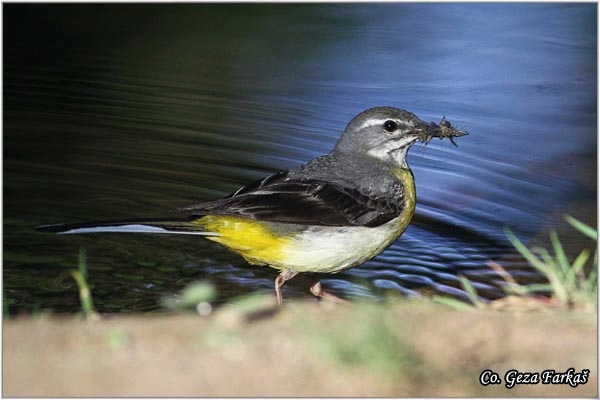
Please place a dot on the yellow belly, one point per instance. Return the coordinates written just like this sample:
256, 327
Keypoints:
253, 240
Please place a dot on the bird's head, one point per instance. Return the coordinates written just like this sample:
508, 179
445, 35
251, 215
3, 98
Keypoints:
386, 133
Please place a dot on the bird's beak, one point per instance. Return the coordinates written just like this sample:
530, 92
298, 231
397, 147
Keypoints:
427, 131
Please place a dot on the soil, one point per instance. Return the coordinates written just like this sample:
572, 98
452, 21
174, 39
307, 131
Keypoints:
400, 348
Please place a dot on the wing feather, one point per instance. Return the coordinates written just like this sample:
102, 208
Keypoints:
279, 198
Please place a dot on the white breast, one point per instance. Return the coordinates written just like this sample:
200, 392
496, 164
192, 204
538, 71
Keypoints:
331, 249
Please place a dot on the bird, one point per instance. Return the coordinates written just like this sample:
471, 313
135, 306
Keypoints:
330, 214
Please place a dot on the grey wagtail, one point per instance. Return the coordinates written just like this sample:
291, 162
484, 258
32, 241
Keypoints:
330, 214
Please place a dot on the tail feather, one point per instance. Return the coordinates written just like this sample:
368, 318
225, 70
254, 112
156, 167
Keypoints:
180, 227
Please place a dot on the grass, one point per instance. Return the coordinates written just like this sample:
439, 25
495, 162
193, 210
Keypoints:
475, 301
569, 282
80, 276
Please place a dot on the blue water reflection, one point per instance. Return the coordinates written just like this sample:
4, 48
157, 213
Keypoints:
112, 111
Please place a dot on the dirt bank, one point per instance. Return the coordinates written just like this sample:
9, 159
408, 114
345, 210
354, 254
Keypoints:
404, 348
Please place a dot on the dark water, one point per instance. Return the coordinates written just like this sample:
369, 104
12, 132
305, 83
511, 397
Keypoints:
118, 111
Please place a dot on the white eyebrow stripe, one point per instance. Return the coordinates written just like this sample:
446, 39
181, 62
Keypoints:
380, 121
372, 121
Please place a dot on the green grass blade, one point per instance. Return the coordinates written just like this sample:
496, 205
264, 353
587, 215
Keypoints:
85, 296
454, 303
471, 292
579, 263
524, 251
581, 227
80, 277
560, 256
539, 287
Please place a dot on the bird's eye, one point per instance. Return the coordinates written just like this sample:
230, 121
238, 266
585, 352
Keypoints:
390, 125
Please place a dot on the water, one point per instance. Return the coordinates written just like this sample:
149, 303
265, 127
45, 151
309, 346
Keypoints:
119, 111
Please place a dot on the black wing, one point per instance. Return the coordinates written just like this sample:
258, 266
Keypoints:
279, 198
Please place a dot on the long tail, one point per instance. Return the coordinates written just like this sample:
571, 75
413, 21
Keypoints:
173, 226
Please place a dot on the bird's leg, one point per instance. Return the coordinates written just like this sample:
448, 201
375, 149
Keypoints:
317, 290
285, 275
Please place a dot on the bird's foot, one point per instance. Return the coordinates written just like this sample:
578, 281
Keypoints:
279, 281
317, 290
